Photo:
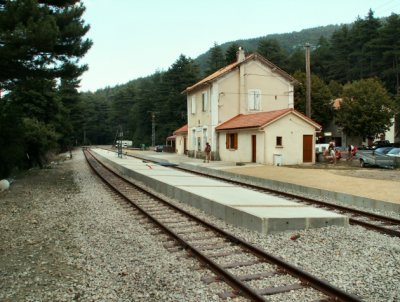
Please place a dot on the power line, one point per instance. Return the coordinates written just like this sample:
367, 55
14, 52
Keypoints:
386, 7
384, 4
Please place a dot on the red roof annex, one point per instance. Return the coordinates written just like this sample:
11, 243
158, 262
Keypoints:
183, 129
257, 120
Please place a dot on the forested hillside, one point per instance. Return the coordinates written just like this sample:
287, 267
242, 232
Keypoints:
43, 111
289, 42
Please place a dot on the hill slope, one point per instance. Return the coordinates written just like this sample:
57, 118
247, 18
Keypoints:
288, 41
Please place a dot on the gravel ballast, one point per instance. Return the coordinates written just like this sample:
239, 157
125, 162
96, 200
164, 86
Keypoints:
64, 237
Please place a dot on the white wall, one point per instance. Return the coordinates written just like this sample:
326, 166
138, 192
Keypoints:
243, 152
276, 92
179, 144
291, 128
390, 134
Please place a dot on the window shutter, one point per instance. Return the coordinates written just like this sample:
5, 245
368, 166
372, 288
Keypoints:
235, 142
250, 100
193, 105
254, 99
204, 101
227, 141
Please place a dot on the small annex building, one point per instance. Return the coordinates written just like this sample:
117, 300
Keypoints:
181, 139
280, 137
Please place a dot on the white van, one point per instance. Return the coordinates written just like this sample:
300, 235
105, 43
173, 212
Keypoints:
320, 148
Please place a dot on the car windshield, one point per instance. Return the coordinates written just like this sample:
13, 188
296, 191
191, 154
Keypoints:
383, 150
394, 151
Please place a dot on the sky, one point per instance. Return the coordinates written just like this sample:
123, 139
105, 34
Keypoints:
136, 38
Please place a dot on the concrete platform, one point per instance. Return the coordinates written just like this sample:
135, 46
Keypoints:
359, 192
238, 206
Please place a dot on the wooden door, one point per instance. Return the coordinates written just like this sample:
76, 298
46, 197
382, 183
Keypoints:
253, 148
307, 148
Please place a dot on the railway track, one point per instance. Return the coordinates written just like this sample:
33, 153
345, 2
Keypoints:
378, 223
375, 222
250, 271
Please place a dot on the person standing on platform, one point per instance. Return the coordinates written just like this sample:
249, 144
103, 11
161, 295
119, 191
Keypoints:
350, 150
207, 151
332, 152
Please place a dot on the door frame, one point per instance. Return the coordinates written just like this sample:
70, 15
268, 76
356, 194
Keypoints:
254, 148
308, 148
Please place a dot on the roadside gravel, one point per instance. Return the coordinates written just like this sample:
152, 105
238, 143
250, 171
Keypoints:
64, 238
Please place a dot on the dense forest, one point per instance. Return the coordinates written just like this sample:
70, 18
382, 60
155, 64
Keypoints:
41, 109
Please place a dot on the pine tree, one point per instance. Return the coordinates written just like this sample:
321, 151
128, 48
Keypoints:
41, 40
296, 61
387, 46
231, 53
216, 59
183, 73
272, 50
340, 48
41, 43
321, 58
361, 55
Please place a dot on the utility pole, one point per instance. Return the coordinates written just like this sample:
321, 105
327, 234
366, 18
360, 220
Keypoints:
153, 127
119, 137
308, 81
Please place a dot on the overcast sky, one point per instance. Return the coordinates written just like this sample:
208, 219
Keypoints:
133, 38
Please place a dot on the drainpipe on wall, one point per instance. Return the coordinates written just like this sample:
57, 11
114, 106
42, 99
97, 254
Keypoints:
242, 84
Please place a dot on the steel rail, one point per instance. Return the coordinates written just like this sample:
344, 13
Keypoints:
343, 209
227, 277
305, 277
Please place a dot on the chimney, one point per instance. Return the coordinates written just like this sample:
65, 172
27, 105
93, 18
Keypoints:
240, 55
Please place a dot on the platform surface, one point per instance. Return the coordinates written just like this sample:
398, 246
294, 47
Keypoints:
236, 205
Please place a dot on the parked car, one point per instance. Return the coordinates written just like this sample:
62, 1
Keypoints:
373, 158
320, 148
378, 144
383, 150
158, 148
394, 152
363, 147
319, 151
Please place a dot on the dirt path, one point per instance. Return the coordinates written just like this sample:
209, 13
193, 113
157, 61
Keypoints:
371, 183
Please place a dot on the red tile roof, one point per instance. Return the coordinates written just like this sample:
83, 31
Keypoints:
183, 129
256, 120
230, 67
